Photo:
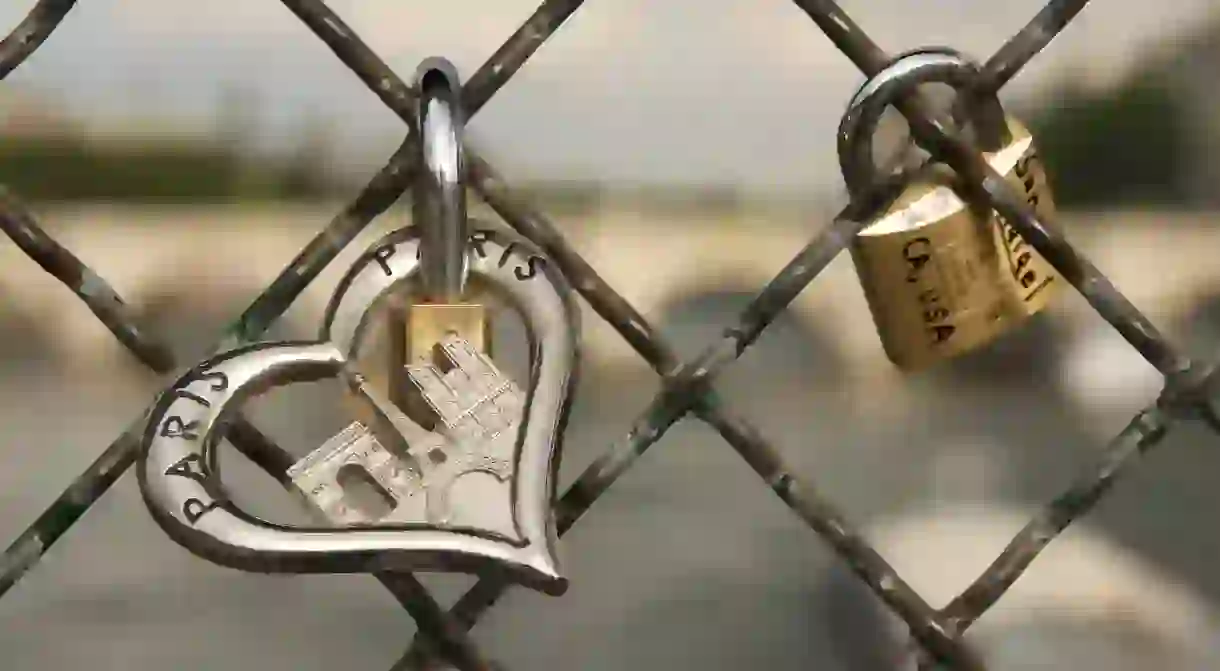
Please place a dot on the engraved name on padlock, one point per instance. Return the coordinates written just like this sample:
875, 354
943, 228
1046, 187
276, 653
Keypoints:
941, 276
179, 470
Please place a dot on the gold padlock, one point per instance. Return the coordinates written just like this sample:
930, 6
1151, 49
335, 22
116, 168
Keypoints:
443, 304
942, 276
441, 301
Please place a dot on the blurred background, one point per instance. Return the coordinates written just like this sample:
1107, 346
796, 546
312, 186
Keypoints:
186, 151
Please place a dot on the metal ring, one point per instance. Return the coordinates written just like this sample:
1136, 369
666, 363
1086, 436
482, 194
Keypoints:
900, 65
859, 123
439, 201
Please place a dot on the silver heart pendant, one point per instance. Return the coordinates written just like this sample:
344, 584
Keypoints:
179, 471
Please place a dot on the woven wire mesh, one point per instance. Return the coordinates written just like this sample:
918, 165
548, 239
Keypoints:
686, 386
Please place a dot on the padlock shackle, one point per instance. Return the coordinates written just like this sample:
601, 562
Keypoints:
439, 198
909, 70
975, 105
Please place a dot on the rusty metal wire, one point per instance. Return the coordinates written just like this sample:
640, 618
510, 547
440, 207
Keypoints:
686, 387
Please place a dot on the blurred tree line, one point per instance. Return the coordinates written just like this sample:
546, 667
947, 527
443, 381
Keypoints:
48, 156
66, 167
1129, 144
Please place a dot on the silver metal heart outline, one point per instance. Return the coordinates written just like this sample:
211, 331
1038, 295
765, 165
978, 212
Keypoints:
179, 471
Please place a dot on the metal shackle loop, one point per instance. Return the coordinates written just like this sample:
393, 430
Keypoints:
942, 65
439, 199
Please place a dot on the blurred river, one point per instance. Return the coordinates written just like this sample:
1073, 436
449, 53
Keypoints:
689, 561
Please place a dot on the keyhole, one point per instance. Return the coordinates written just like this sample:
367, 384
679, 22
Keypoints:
363, 492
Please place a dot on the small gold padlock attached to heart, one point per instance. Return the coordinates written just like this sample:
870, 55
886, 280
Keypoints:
943, 276
442, 301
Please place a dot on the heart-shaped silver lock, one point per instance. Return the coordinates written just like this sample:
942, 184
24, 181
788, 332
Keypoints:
479, 421
179, 469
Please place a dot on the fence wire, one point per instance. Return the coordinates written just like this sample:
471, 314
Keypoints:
687, 387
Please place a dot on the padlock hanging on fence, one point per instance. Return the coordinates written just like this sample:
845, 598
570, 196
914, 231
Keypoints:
468, 419
942, 276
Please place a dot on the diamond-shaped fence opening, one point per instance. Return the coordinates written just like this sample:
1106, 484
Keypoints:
686, 389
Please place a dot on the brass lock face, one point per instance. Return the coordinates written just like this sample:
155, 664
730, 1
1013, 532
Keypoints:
429, 323
412, 334
415, 333
941, 276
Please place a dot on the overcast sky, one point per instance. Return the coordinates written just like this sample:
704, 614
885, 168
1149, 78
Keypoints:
740, 91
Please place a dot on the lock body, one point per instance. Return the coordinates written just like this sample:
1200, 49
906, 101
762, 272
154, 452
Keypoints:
426, 324
1034, 277
415, 331
942, 277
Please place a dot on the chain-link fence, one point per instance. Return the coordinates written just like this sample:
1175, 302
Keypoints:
686, 387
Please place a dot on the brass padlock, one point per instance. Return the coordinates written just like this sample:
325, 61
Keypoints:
439, 212
942, 276
440, 300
